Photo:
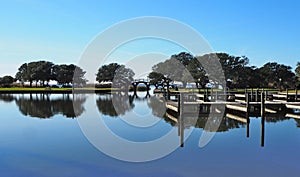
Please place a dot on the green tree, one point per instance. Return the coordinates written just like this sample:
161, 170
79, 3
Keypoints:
66, 74
23, 74
107, 73
175, 68
6, 81
235, 69
277, 75
116, 73
156, 78
123, 77
198, 73
297, 71
43, 71
34, 71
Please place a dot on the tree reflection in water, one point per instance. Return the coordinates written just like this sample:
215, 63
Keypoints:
115, 104
43, 106
157, 105
6, 98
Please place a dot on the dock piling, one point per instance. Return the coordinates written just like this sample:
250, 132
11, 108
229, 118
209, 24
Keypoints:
262, 107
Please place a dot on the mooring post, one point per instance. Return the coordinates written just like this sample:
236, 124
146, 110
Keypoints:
287, 95
181, 120
262, 106
248, 102
181, 102
248, 125
256, 95
148, 88
262, 131
178, 104
252, 94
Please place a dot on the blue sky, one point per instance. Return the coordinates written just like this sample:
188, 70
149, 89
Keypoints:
60, 30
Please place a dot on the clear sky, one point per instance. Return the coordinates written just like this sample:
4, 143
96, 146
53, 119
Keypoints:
59, 30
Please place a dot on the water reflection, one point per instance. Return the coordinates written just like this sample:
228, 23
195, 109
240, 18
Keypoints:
115, 104
46, 106
6, 98
157, 105
231, 120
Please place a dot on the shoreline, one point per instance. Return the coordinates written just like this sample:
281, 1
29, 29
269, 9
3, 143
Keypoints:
57, 91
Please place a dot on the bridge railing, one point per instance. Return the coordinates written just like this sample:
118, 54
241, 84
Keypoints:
141, 80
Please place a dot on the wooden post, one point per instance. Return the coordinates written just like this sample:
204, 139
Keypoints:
262, 131
287, 95
179, 102
252, 94
148, 88
262, 127
266, 94
256, 95
181, 120
216, 96
296, 95
211, 94
248, 125
247, 102
262, 106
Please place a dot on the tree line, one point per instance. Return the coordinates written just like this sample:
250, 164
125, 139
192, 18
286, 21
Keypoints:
182, 67
43, 71
201, 70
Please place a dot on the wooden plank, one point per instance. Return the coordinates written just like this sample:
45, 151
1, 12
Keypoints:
276, 100
171, 117
279, 96
172, 106
270, 111
238, 118
295, 116
240, 95
236, 107
211, 103
240, 101
200, 95
292, 106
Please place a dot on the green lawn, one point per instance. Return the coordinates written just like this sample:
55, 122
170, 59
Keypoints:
53, 89
33, 89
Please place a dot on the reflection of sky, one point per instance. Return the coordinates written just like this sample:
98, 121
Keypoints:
57, 147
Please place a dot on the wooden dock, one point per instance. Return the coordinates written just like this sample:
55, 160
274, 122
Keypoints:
242, 102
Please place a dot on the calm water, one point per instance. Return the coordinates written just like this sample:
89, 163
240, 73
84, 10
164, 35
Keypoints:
40, 135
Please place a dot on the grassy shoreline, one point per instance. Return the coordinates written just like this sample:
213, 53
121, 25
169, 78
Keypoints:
21, 90
54, 90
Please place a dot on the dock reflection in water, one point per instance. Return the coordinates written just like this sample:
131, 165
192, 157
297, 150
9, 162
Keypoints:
114, 105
